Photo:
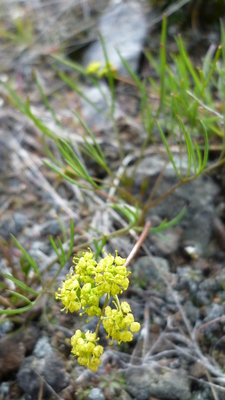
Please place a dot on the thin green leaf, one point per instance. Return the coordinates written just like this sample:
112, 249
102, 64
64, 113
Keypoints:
54, 247
44, 98
152, 61
49, 153
168, 150
206, 149
199, 157
29, 259
100, 247
75, 66
63, 257
91, 151
78, 167
166, 225
15, 97
216, 58
131, 72
20, 296
110, 76
188, 63
190, 147
162, 56
19, 283
71, 240
16, 311
127, 211
58, 171
71, 84
91, 135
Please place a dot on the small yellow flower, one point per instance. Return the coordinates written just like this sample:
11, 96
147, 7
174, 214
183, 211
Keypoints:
68, 294
84, 347
125, 307
105, 70
93, 67
83, 290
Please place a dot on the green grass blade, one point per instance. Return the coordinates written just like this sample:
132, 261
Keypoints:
90, 134
63, 257
75, 66
199, 157
110, 75
131, 72
162, 58
168, 150
19, 283
206, 149
188, 63
44, 98
15, 97
190, 147
66, 177
166, 225
20, 296
49, 153
152, 61
71, 158
78, 166
100, 247
73, 86
17, 311
29, 259
54, 247
127, 211
71, 240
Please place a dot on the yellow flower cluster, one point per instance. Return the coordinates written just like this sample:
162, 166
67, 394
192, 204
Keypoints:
108, 276
83, 289
84, 347
119, 323
96, 68
70, 294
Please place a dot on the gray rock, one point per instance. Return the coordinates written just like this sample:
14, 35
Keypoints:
52, 228
14, 347
52, 370
6, 327
4, 390
96, 394
197, 195
203, 394
122, 26
201, 298
215, 284
96, 118
144, 381
149, 271
188, 277
168, 244
214, 311
192, 312
12, 225
124, 396
42, 347
20, 221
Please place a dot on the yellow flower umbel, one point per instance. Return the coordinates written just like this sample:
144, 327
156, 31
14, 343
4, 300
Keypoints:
84, 347
93, 68
70, 294
96, 68
119, 323
83, 289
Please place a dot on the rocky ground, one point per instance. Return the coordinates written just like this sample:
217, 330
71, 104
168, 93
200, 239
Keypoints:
178, 279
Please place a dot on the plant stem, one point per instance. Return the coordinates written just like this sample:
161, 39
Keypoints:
139, 243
